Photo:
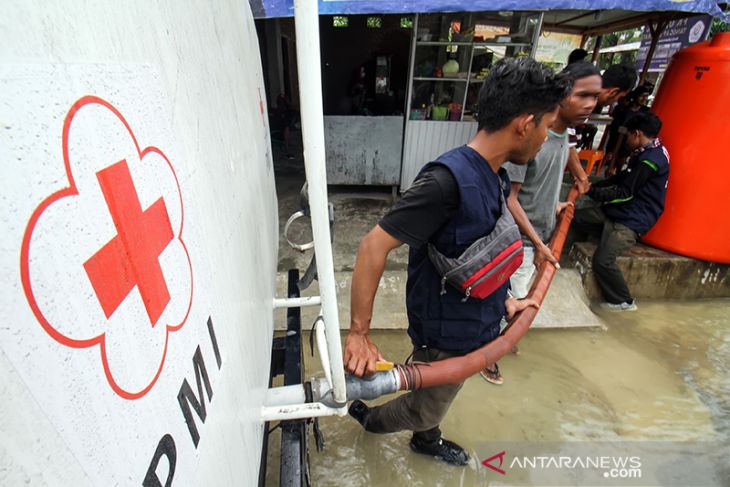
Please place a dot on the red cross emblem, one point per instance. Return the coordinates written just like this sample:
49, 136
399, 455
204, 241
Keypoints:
103, 261
130, 258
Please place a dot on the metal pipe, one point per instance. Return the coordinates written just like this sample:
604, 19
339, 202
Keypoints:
279, 396
411, 62
468, 81
324, 356
297, 302
370, 387
299, 411
536, 35
310, 85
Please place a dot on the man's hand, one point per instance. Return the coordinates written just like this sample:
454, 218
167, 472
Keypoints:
513, 306
542, 254
360, 354
562, 206
583, 186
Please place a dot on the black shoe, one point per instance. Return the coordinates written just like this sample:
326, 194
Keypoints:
359, 410
445, 450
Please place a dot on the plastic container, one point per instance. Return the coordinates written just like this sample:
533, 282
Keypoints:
693, 103
418, 114
455, 112
439, 113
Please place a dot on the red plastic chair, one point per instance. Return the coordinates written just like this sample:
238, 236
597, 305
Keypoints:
592, 158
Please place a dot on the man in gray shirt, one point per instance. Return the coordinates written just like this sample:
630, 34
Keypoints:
538, 189
533, 199
536, 186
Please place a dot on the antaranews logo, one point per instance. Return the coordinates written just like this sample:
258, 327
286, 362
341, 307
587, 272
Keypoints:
616, 463
615, 467
498, 468
103, 262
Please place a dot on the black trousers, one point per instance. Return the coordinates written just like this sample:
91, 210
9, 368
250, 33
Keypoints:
614, 239
419, 411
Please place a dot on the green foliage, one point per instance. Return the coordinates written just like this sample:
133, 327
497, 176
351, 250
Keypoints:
406, 23
339, 21
719, 26
616, 38
608, 59
375, 22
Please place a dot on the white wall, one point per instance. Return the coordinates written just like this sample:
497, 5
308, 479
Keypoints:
89, 392
426, 140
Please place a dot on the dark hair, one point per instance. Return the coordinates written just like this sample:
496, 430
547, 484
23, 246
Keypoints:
647, 122
577, 55
579, 70
620, 76
637, 93
517, 86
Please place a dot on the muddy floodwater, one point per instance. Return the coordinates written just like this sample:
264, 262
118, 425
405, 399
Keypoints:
660, 374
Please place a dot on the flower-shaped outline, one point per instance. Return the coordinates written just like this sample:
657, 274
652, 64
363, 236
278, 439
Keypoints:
72, 190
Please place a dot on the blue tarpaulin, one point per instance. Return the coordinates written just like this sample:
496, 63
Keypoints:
285, 8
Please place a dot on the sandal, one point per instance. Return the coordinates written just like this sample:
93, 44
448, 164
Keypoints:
492, 376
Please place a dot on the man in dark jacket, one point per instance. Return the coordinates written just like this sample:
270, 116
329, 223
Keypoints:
631, 203
453, 202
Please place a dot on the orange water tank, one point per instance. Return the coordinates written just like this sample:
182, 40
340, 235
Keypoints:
694, 105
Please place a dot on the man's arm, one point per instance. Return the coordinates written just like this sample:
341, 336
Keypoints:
576, 169
626, 188
542, 251
360, 352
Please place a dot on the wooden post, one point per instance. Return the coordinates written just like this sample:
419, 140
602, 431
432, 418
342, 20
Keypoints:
597, 48
656, 32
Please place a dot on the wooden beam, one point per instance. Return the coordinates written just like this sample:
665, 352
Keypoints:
571, 19
656, 32
562, 29
597, 49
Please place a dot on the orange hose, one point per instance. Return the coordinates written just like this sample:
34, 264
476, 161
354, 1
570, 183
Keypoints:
457, 369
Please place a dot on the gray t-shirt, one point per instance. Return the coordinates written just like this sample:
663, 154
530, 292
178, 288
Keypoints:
541, 179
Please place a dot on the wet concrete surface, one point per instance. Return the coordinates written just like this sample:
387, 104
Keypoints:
357, 211
658, 374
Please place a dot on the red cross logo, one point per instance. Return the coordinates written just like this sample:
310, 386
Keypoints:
80, 279
130, 258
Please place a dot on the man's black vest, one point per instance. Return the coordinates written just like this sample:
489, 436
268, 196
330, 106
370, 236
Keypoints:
447, 322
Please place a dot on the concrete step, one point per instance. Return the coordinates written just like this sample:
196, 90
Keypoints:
564, 306
389, 310
655, 274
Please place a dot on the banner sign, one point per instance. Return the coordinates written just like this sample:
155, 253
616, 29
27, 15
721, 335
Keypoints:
554, 47
677, 35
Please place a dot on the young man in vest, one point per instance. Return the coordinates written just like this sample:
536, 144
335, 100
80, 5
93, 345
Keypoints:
632, 202
453, 202
535, 192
